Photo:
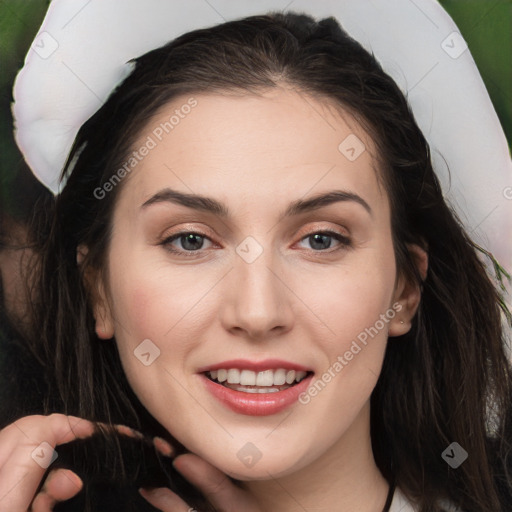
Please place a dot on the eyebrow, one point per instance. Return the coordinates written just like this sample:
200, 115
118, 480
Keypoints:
210, 205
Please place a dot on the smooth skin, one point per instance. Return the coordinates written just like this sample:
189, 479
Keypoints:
297, 302
202, 303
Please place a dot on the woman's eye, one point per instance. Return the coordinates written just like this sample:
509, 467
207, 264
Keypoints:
321, 240
190, 242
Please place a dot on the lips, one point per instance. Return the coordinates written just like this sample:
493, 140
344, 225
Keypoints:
256, 388
261, 403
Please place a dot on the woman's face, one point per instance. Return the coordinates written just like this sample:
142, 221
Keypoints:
254, 283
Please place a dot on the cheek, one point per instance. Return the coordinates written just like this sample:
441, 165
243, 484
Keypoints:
355, 305
147, 342
141, 308
143, 294
352, 298
152, 303
134, 306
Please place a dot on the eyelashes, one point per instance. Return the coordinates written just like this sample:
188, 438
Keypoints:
343, 240
191, 239
189, 236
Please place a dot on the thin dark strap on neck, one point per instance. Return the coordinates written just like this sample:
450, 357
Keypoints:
389, 499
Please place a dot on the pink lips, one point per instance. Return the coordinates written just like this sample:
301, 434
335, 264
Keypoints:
256, 404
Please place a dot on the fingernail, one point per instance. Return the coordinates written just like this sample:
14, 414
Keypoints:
74, 478
136, 433
123, 429
163, 446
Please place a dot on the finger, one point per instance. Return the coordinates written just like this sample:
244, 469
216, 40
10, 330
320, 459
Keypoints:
35, 429
35, 438
61, 485
163, 447
30, 427
27, 447
214, 484
128, 431
42, 503
165, 500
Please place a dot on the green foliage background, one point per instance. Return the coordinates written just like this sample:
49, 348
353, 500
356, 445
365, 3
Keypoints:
485, 24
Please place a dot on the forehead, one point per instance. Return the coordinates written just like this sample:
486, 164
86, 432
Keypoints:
251, 148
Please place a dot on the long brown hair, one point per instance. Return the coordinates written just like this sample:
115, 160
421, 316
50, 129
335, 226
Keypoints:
448, 379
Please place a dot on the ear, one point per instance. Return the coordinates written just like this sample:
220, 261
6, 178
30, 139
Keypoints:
100, 304
408, 294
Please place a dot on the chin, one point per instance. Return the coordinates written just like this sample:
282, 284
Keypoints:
264, 469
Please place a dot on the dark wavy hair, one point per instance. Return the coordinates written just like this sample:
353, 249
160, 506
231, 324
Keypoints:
448, 379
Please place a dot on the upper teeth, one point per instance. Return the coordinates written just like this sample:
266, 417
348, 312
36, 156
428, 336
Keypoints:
264, 378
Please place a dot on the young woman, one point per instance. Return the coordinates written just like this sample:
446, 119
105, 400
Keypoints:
252, 259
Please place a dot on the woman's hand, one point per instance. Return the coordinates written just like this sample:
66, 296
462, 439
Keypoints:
213, 483
26, 448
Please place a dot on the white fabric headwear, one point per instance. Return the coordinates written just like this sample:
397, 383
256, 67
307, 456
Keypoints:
81, 51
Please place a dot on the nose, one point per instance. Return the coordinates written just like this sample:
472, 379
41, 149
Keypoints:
258, 300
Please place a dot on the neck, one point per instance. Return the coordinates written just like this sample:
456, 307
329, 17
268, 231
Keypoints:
345, 478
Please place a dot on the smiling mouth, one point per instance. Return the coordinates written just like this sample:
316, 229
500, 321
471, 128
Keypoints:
247, 381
